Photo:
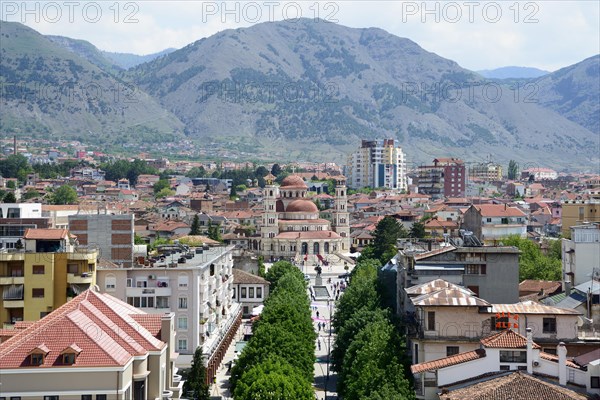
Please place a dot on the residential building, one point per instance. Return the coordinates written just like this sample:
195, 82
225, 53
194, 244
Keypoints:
577, 212
539, 173
44, 275
445, 178
111, 234
506, 352
292, 228
196, 285
94, 345
581, 254
486, 171
377, 164
493, 222
15, 219
492, 273
249, 290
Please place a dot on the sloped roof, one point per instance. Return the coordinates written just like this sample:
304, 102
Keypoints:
506, 339
449, 297
46, 234
498, 210
447, 361
433, 286
244, 277
103, 327
514, 386
532, 307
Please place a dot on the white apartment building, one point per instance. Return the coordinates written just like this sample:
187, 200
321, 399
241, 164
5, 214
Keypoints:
377, 164
196, 285
15, 219
581, 254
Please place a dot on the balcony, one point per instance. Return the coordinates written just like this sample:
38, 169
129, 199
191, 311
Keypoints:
83, 278
12, 280
14, 303
145, 291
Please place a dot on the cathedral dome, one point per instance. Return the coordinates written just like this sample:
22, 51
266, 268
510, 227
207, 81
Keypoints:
306, 206
293, 181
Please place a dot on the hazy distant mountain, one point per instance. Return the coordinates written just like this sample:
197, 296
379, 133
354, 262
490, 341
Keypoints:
86, 50
574, 92
512, 73
48, 89
127, 60
313, 89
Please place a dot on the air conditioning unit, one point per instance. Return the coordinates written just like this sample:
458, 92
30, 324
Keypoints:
536, 363
151, 276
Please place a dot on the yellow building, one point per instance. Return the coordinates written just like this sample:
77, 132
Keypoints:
44, 275
578, 212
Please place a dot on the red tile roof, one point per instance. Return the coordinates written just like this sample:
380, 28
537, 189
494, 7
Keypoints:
46, 234
507, 339
498, 210
448, 361
102, 326
515, 386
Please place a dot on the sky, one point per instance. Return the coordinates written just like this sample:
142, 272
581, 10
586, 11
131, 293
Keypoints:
477, 34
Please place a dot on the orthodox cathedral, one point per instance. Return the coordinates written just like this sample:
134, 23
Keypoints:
291, 225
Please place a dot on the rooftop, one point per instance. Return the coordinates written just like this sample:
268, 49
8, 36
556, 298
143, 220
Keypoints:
447, 361
46, 234
244, 277
506, 339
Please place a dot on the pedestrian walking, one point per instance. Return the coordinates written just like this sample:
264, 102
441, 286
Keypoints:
319, 344
319, 326
317, 313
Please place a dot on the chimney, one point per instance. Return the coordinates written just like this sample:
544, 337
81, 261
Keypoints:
568, 286
529, 351
561, 350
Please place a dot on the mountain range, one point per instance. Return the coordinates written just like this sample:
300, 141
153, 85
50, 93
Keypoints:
307, 90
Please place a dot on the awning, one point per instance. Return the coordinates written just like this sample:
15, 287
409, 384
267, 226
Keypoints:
257, 310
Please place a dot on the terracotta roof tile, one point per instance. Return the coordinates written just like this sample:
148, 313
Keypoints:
515, 386
244, 277
46, 234
101, 326
554, 358
498, 210
507, 339
448, 361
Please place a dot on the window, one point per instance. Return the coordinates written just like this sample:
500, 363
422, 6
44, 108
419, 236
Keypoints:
141, 283
183, 303
37, 293
37, 359
258, 292
472, 269
129, 284
245, 310
595, 382
72, 268
182, 281
474, 289
549, 325
513, 356
251, 292
100, 397
110, 282
68, 358
39, 269
505, 368
498, 324
431, 321
488, 220
182, 344
182, 322
243, 295
86, 397
452, 350
54, 397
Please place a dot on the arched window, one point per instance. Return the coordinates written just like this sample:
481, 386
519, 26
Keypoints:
304, 248
326, 247
316, 248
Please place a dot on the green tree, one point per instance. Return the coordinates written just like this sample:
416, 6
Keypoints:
166, 192
417, 230
160, 185
386, 234
261, 267
9, 198
513, 170
195, 385
214, 232
279, 269
276, 169
11, 165
275, 379
64, 195
261, 171
233, 192
195, 228
30, 194
532, 263
137, 239
196, 172
11, 185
